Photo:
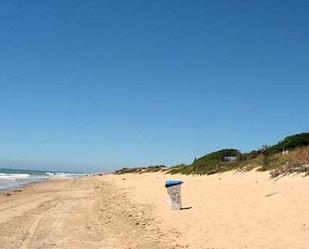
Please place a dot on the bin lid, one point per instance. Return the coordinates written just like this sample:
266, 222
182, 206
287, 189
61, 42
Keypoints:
170, 183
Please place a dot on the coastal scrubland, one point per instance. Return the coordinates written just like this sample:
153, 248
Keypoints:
291, 155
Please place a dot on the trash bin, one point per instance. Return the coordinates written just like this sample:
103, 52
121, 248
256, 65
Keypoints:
174, 191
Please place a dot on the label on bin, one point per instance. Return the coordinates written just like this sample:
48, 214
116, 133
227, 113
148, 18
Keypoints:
170, 183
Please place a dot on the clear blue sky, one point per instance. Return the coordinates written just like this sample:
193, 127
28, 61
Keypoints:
95, 85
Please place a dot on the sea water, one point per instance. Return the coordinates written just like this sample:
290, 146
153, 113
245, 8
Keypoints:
13, 178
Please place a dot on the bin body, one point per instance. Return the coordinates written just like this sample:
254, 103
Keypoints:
174, 193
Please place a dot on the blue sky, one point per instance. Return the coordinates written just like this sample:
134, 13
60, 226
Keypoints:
96, 85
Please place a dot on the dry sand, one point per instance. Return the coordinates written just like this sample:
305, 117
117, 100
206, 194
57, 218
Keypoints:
226, 211
230, 210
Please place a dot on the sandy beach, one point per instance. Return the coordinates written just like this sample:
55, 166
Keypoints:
221, 211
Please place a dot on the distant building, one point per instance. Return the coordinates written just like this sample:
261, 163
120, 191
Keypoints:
230, 158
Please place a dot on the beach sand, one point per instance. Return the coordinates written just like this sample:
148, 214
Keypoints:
221, 211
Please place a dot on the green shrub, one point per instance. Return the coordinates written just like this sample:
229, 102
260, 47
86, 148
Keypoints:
291, 142
215, 162
180, 169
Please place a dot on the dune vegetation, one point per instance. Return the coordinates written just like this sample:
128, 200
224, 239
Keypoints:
289, 156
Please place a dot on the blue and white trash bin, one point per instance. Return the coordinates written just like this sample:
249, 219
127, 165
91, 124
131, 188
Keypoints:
173, 188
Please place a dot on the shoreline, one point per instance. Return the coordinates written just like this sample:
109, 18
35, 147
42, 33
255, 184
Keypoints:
17, 178
228, 211
37, 181
22, 186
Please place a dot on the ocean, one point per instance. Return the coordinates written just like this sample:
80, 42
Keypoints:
14, 178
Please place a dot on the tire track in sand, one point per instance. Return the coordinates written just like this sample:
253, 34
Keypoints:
50, 206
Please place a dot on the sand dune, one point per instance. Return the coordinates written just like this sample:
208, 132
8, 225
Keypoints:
231, 210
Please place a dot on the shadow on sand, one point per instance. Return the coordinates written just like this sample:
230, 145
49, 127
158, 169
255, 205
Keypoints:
185, 208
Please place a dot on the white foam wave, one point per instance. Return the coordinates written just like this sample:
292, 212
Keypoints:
62, 174
13, 176
11, 180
